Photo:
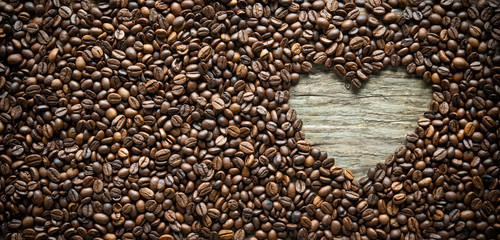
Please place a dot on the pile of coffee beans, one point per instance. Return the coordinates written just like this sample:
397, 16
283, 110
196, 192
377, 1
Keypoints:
168, 119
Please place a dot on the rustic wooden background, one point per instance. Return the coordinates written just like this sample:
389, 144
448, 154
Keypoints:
359, 127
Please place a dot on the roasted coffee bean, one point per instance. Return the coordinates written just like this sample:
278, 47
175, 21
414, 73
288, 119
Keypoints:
134, 71
14, 59
101, 218
339, 70
239, 234
247, 147
181, 199
357, 43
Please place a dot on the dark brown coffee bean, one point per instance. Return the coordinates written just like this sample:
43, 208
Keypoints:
306, 67
118, 122
339, 70
476, 66
100, 218
205, 53
162, 155
14, 59
114, 98
204, 189
272, 189
134, 71
357, 43
43, 37
181, 199
246, 147
146, 193
239, 234
439, 154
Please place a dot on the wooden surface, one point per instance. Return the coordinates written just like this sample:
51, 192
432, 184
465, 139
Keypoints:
359, 128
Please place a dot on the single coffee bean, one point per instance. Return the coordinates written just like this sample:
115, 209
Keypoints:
101, 218
14, 59
226, 234
246, 147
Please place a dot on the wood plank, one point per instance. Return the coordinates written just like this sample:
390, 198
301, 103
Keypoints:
359, 127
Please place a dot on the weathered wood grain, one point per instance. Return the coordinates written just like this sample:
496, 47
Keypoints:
359, 127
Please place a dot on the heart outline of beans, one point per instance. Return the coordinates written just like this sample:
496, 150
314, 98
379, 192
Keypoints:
79, 137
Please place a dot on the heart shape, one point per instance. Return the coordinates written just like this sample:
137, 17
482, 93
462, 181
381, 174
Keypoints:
362, 127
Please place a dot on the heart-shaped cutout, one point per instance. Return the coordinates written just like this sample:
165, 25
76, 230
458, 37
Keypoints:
359, 127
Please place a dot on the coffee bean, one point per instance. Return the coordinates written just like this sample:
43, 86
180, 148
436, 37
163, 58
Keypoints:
181, 199
97, 52
339, 70
246, 147
303, 145
476, 66
204, 189
114, 98
134, 71
100, 218
272, 189
54, 175
439, 154
65, 12
14, 59
357, 43
239, 234
118, 122
32, 28
43, 37
226, 234
146, 193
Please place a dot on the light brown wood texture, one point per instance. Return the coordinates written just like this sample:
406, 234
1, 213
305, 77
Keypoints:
359, 127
